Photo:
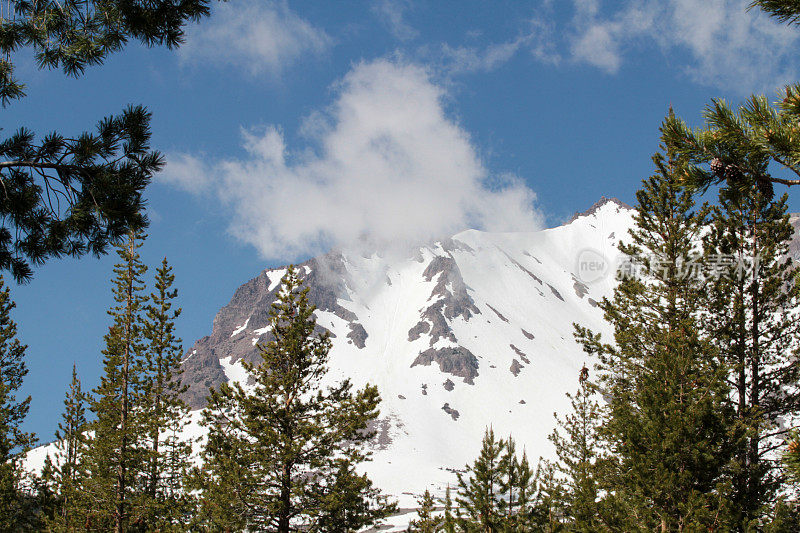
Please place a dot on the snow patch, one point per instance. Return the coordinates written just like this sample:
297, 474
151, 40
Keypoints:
240, 328
234, 371
275, 277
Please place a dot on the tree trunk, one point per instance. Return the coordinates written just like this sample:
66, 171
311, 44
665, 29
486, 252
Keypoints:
286, 486
119, 518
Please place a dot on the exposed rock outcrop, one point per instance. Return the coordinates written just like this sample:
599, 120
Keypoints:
358, 335
454, 414
457, 361
247, 315
597, 205
521, 354
451, 300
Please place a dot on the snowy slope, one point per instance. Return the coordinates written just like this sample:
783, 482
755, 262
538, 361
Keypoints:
472, 331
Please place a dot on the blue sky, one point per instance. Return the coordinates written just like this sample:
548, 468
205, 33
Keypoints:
291, 127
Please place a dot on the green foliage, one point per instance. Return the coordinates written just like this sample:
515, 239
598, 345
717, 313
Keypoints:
117, 452
784, 517
74, 34
498, 491
13, 441
736, 146
448, 517
791, 457
480, 494
67, 474
426, 521
168, 501
784, 10
751, 320
75, 195
134, 467
578, 447
668, 416
283, 455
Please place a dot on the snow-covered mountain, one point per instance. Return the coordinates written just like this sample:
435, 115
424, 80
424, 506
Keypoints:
471, 331
467, 332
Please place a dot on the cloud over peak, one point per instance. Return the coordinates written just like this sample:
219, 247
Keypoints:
388, 166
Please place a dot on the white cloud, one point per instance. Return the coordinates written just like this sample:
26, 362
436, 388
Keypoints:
727, 46
598, 47
392, 13
537, 39
261, 37
186, 172
473, 59
390, 167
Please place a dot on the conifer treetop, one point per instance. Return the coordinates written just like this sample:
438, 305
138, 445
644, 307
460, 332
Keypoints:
282, 452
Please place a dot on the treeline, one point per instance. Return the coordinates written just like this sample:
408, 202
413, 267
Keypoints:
119, 462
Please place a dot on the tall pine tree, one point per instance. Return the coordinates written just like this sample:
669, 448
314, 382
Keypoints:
13, 441
117, 453
497, 492
426, 521
753, 321
282, 456
479, 488
68, 468
668, 415
579, 450
168, 460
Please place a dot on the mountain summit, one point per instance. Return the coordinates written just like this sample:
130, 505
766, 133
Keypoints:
467, 332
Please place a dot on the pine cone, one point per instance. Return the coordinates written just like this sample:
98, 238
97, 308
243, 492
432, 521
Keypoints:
717, 167
732, 175
765, 187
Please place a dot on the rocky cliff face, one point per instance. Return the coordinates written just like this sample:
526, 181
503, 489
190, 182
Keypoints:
241, 325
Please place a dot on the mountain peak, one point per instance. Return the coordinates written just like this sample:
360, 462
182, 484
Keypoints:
599, 204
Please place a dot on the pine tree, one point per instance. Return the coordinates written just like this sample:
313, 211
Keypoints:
282, 456
791, 457
426, 521
448, 518
578, 448
168, 461
13, 441
784, 10
753, 322
496, 493
668, 417
517, 485
68, 470
75, 194
547, 512
117, 453
737, 145
479, 490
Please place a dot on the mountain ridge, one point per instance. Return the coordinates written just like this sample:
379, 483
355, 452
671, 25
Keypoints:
466, 332
458, 334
